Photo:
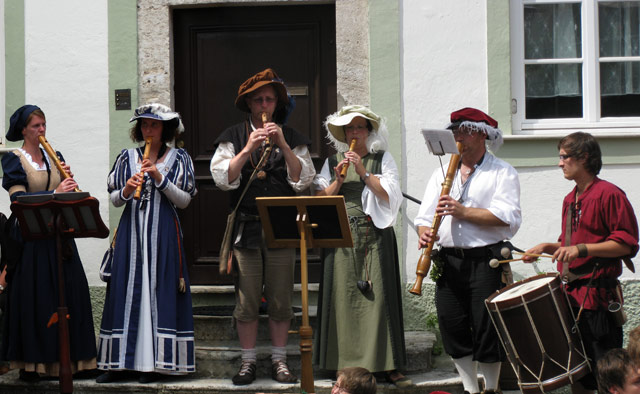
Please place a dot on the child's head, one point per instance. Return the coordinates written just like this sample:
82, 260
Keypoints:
618, 373
355, 380
634, 345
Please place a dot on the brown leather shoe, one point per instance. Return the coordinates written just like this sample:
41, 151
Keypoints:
280, 372
246, 375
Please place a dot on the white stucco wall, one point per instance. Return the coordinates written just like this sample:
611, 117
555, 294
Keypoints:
445, 69
67, 76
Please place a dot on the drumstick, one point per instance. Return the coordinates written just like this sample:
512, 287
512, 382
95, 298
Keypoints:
505, 252
533, 254
494, 263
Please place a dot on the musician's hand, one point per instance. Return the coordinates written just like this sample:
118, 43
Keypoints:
3, 279
538, 249
426, 238
566, 254
150, 168
66, 168
256, 138
338, 170
450, 206
132, 184
356, 161
275, 134
67, 185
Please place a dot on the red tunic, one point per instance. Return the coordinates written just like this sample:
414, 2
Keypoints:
602, 213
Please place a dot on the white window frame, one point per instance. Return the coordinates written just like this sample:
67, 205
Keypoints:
591, 120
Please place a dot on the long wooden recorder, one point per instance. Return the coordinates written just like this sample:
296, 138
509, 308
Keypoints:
145, 156
345, 167
424, 262
53, 156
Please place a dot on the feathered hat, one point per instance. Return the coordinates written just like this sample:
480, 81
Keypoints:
476, 120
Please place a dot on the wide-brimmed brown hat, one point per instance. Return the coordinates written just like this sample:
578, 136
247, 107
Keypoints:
263, 78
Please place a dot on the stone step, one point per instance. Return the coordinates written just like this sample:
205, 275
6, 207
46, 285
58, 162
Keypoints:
442, 377
436, 380
221, 358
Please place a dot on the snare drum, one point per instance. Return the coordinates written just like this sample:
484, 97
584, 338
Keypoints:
537, 329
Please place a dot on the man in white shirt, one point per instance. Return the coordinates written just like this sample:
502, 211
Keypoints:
481, 210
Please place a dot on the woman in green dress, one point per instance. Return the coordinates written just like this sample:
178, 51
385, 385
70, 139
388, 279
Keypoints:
360, 307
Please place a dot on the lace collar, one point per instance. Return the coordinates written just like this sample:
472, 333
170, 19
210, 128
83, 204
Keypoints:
33, 163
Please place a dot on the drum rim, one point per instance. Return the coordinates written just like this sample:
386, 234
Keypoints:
575, 374
515, 301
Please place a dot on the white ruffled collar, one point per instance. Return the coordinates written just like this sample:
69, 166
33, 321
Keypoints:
33, 163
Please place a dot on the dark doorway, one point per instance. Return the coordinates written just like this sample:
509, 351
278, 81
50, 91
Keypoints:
215, 50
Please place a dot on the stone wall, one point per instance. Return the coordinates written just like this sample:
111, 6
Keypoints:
155, 68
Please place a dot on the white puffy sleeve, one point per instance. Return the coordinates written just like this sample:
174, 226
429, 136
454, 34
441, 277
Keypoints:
307, 173
219, 166
323, 179
384, 213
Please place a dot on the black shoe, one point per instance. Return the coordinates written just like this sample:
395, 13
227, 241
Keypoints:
280, 372
87, 374
149, 377
246, 374
29, 376
108, 377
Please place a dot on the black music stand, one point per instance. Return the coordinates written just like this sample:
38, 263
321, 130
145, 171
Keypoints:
305, 222
63, 216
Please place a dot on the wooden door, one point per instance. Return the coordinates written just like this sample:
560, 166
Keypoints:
215, 50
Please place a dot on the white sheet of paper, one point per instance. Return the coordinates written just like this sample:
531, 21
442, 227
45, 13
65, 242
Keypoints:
440, 141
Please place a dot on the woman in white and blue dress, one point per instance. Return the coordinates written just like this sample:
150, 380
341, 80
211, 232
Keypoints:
147, 322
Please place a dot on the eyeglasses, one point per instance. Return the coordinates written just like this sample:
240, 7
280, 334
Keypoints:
259, 100
339, 390
356, 128
564, 157
461, 131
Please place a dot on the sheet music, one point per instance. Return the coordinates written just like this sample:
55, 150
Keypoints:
440, 141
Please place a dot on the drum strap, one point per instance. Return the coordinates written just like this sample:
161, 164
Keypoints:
567, 275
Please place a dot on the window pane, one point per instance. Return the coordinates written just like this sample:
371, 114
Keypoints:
619, 25
553, 91
552, 31
620, 87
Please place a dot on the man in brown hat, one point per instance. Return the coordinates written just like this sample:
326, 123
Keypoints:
481, 210
286, 169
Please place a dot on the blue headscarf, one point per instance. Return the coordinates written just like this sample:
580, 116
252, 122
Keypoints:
18, 122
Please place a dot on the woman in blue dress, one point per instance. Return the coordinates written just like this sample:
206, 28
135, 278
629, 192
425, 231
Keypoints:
30, 344
147, 322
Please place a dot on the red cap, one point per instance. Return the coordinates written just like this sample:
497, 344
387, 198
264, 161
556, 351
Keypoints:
472, 115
